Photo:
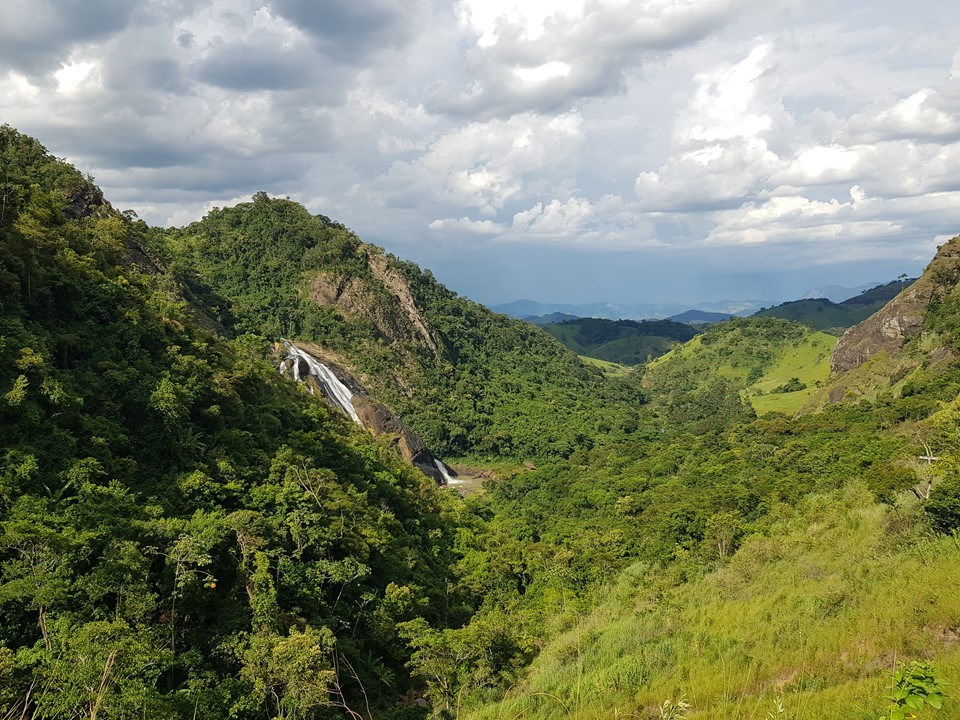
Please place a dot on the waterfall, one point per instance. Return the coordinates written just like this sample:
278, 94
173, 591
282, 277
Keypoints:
447, 478
338, 393
412, 448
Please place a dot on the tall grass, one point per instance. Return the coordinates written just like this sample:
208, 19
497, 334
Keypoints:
815, 612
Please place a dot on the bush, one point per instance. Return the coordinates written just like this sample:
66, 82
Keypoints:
943, 507
792, 385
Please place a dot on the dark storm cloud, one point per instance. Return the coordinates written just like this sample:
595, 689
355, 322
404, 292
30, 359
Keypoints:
36, 36
146, 76
227, 176
117, 143
350, 30
601, 48
248, 66
502, 93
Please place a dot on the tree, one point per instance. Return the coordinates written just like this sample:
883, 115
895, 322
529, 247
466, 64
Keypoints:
943, 506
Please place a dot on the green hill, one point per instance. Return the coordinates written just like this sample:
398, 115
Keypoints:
625, 342
822, 314
469, 381
774, 364
183, 533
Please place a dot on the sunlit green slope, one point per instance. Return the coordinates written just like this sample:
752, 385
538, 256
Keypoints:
813, 611
775, 364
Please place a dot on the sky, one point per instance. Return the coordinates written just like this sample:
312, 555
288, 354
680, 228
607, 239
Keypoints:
569, 151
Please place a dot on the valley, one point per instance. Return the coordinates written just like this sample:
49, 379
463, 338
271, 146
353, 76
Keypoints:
255, 467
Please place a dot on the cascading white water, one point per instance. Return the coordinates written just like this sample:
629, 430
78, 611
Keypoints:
447, 478
339, 393
336, 390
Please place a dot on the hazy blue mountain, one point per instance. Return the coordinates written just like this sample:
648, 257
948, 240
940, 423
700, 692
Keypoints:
694, 317
837, 293
557, 317
526, 309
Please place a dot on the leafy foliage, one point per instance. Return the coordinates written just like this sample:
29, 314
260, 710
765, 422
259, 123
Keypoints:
914, 686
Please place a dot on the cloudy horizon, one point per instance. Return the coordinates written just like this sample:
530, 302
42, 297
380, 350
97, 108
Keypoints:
568, 151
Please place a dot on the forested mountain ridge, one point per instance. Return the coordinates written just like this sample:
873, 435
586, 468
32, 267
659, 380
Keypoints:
469, 381
823, 314
627, 342
183, 533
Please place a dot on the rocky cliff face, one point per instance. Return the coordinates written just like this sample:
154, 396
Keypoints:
400, 318
889, 329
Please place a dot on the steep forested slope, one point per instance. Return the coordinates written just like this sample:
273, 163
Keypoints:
467, 380
183, 533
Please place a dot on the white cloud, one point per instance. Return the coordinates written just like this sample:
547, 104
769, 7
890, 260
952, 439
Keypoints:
486, 165
555, 219
542, 73
722, 106
708, 176
596, 44
466, 225
74, 76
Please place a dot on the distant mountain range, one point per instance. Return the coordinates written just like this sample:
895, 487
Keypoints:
700, 317
538, 311
542, 313
836, 293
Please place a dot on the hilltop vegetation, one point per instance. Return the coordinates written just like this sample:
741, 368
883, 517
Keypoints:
625, 342
773, 364
469, 381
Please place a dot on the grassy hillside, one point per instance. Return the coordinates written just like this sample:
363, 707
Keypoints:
774, 363
812, 614
626, 342
609, 369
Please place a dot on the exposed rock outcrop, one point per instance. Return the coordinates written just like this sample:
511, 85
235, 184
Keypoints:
397, 285
888, 330
355, 297
380, 421
347, 295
